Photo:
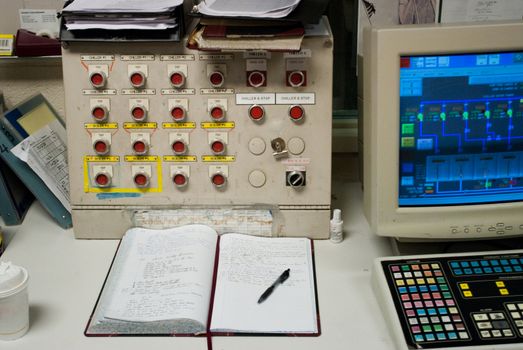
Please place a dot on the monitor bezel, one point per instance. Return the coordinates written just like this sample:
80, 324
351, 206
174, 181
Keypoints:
383, 47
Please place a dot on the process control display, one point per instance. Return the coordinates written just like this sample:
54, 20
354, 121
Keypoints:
461, 129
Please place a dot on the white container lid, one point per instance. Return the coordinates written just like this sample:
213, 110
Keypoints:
12, 279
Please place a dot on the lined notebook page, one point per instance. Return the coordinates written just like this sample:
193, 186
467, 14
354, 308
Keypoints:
247, 266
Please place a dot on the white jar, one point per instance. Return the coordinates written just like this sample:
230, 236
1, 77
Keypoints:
14, 301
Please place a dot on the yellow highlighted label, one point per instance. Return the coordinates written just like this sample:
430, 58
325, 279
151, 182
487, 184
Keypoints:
503, 291
211, 125
500, 284
141, 158
101, 125
140, 125
400, 283
188, 125
467, 294
218, 158
179, 158
102, 158
464, 286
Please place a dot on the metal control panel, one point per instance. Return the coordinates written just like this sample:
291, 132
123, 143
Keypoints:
159, 126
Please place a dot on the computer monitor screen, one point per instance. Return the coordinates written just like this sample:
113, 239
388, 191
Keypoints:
461, 129
443, 130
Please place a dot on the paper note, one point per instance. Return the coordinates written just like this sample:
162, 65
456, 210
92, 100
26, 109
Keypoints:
41, 22
46, 153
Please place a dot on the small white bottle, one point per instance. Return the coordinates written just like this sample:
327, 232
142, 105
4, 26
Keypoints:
336, 227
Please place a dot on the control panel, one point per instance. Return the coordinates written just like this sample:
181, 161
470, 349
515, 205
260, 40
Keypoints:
159, 126
454, 301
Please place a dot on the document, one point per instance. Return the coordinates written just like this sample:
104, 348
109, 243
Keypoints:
248, 8
161, 282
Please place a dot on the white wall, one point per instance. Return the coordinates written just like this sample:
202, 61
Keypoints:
23, 77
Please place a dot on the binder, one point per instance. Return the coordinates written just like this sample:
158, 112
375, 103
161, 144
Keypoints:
32, 181
15, 198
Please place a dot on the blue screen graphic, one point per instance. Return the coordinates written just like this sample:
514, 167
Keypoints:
461, 129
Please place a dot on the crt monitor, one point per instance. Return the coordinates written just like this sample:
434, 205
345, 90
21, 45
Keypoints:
443, 131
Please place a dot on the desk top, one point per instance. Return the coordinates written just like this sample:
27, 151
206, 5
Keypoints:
66, 275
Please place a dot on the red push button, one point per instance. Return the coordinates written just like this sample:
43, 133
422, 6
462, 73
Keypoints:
141, 180
296, 78
139, 113
101, 147
216, 79
140, 147
218, 180
177, 79
256, 112
97, 79
218, 147
180, 180
178, 113
103, 179
296, 113
217, 113
99, 113
256, 79
137, 79
179, 147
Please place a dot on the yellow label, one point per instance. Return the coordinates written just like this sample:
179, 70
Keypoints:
467, 294
101, 125
179, 158
464, 286
410, 282
140, 125
218, 158
400, 283
141, 158
211, 125
504, 291
500, 284
102, 158
188, 125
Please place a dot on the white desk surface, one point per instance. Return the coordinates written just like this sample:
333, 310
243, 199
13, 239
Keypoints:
66, 276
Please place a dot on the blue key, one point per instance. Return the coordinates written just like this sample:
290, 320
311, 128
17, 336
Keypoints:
442, 311
402, 290
484, 263
458, 272
508, 269
498, 269
454, 264
474, 263
430, 337
441, 336
418, 337
432, 312
433, 287
504, 262
514, 261
413, 289
423, 289
468, 271
518, 268
494, 262
521, 260
488, 270
478, 270
452, 335
465, 264
421, 312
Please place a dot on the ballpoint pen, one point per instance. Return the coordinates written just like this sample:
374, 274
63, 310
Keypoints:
283, 277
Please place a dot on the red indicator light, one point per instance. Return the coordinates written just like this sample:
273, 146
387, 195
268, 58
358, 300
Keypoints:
180, 180
218, 147
137, 79
97, 79
178, 114
141, 180
216, 79
138, 113
99, 113
256, 79
256, 112
296, 113
102, 180
139, 147
101, 147
178, 147
218, 179
177, 79
217, 113
296, 79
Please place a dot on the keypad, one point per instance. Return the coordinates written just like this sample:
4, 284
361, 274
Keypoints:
515, 310
486, 266
493, 325
428, 304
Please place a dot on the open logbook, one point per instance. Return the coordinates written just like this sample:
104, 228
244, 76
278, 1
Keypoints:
189, 280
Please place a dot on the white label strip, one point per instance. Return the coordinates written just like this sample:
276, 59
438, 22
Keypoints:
296, 98
97, 57
177, 58
138, 92
305, 53
256, 64
216, 91
178, 91
260, 99
99, 92
215, 57
257, 54
137, 57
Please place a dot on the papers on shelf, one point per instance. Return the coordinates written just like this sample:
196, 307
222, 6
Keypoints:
137, 6
248, 8
121, 15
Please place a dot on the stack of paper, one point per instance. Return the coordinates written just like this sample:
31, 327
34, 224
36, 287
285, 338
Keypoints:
118, 15
248, 8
